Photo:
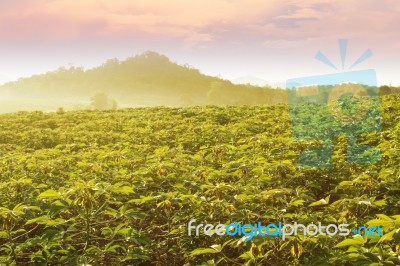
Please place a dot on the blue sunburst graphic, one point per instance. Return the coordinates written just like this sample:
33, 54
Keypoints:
343, 52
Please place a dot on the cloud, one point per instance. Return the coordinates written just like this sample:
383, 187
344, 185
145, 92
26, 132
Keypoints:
175, 18
283, 44
267, 22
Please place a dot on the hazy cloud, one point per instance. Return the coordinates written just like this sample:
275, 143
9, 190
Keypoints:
193, 21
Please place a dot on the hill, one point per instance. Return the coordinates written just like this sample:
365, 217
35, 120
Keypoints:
147, 79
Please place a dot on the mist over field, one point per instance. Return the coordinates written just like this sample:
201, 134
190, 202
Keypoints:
148, 79
145, 80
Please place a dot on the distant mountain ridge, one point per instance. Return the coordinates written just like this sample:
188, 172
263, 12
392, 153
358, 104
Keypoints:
255, 81
147, 79
250, 80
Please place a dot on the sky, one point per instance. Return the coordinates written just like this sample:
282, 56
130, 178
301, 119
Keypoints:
269, 39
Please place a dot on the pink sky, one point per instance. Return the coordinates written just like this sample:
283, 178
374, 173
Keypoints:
270, 39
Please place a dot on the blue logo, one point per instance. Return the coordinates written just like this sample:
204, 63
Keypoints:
328, 106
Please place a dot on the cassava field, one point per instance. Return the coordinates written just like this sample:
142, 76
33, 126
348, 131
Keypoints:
119, 188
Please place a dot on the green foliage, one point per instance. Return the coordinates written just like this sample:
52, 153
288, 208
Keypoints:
119, 188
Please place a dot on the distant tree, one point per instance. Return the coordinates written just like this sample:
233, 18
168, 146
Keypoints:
99, 101
395, 90
60, 110
384, 90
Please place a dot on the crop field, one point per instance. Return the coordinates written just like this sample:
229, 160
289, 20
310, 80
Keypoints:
120, 187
